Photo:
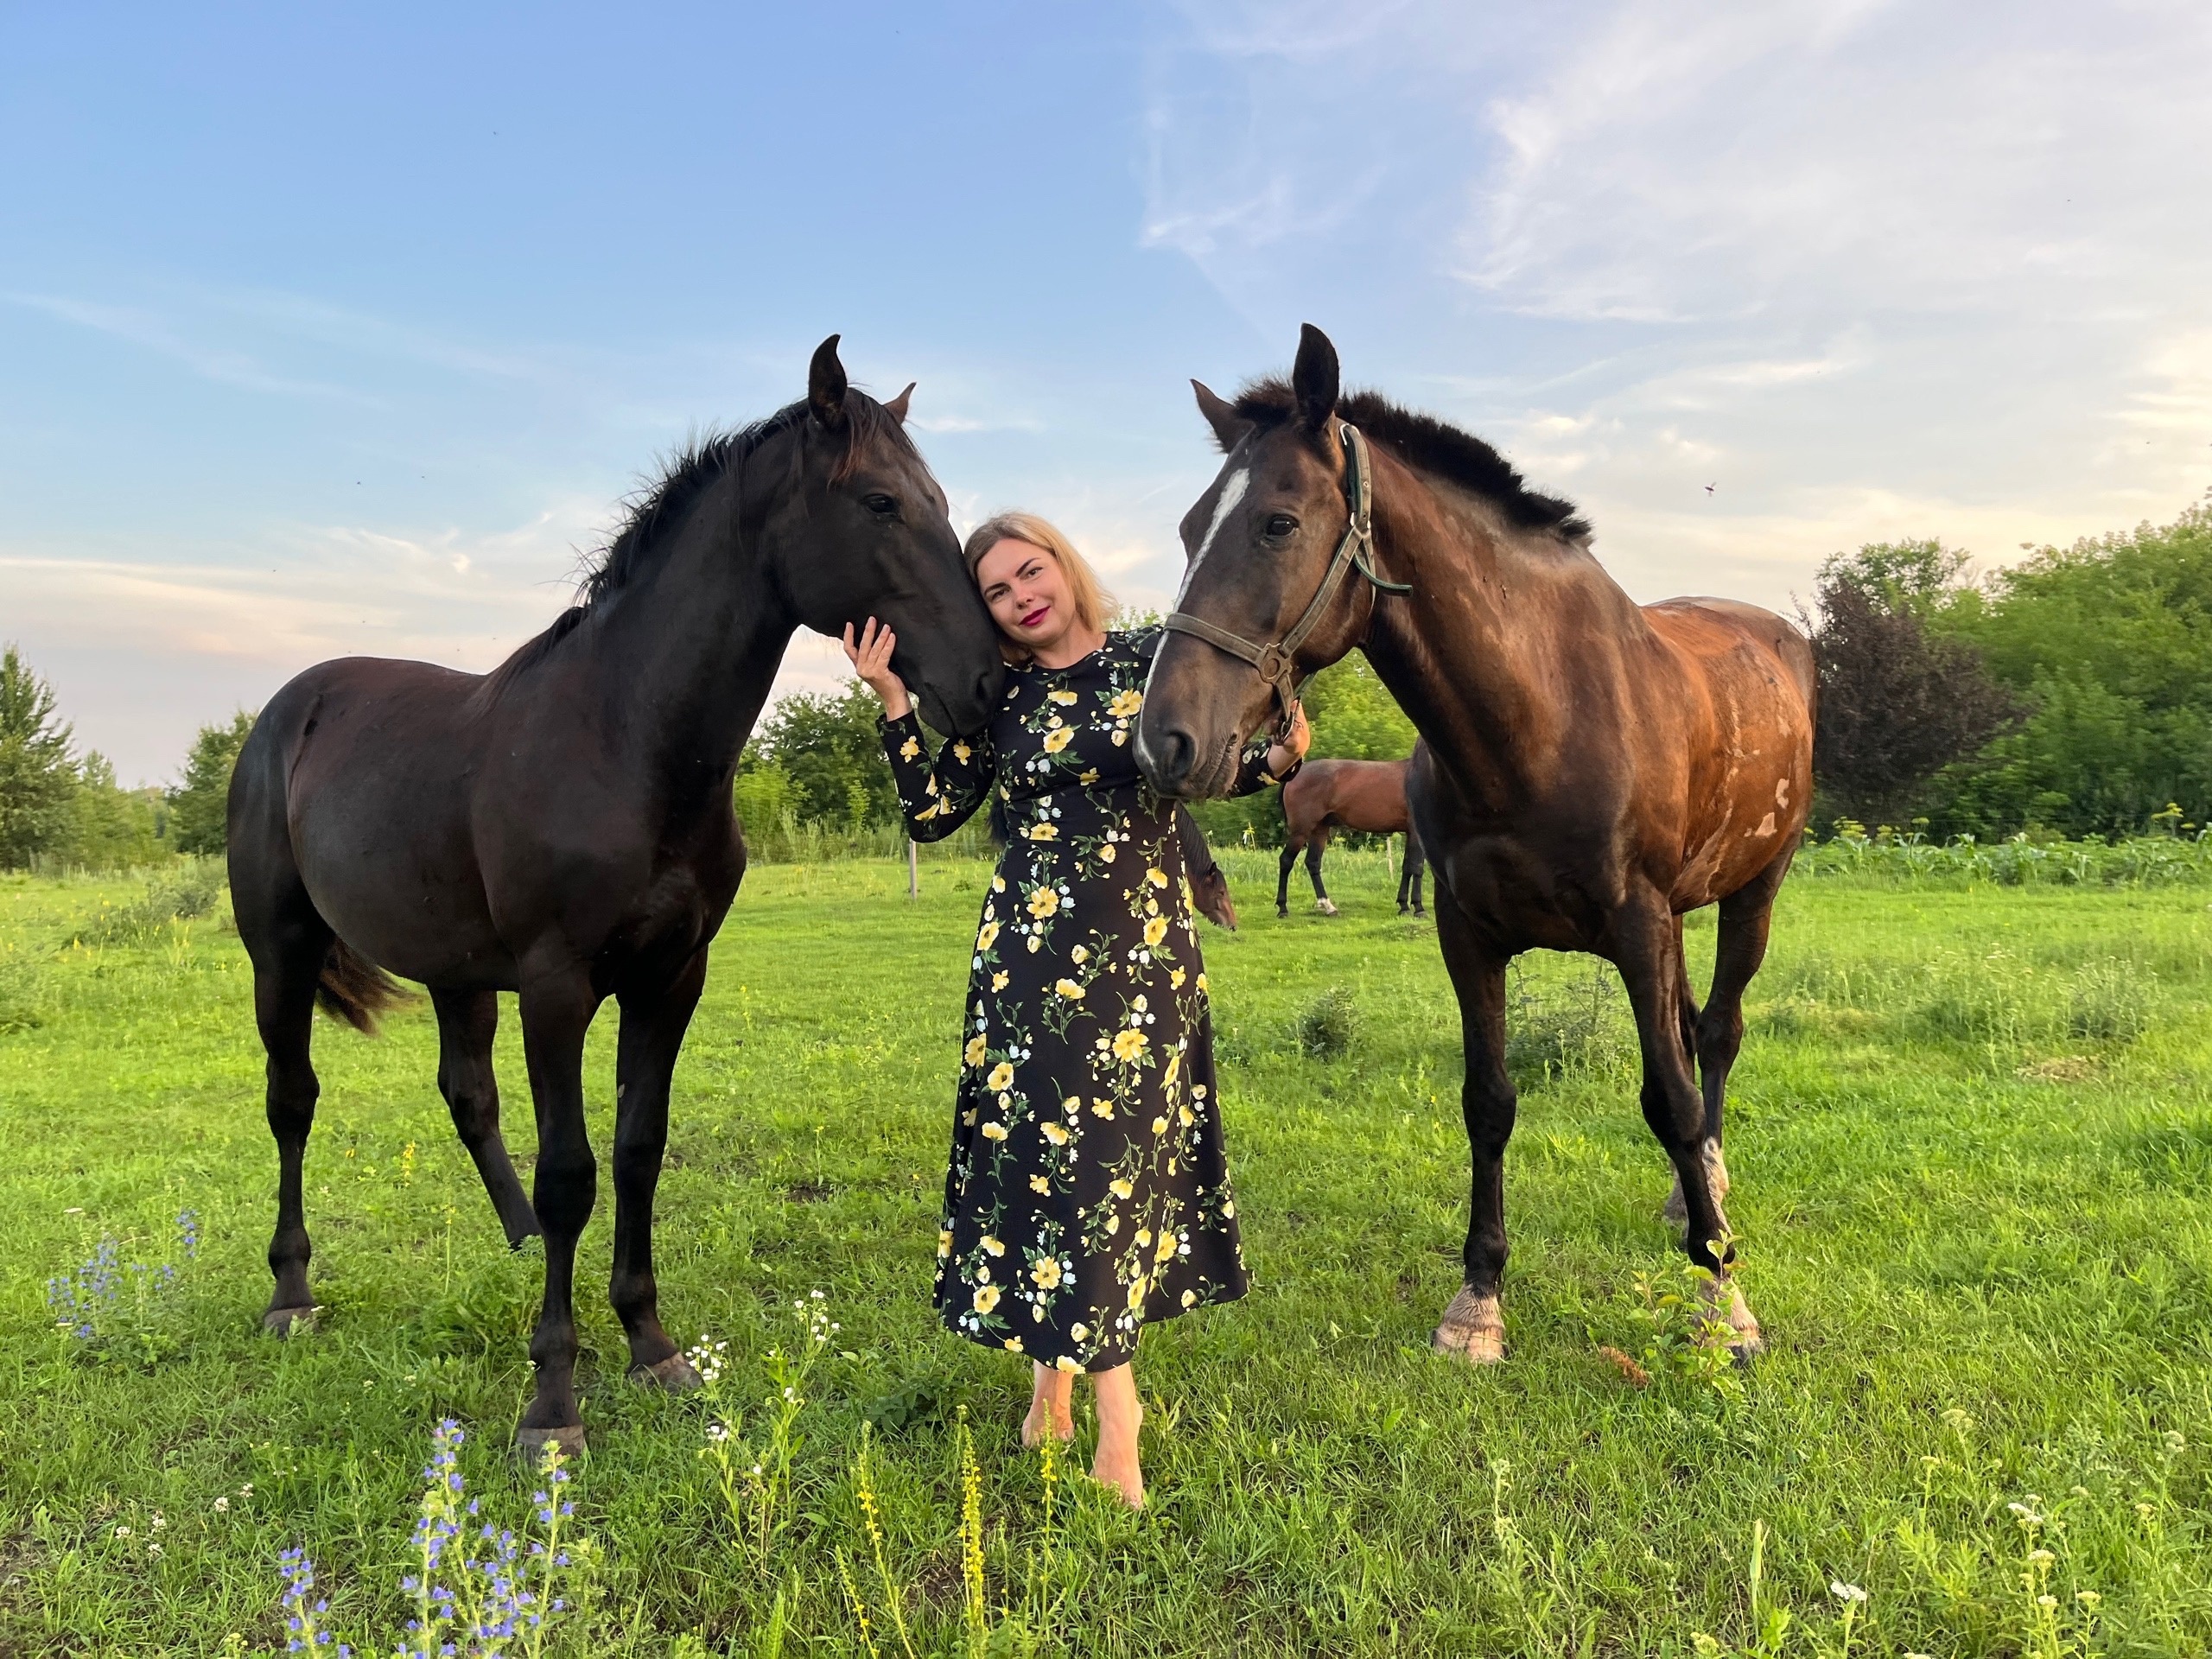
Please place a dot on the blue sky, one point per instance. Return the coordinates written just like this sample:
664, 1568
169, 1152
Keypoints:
325, 333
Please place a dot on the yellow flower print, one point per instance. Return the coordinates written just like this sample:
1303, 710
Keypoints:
911, 747
1035, 941
1157, 876
1101, 1108
929, 811
1053, 1133
991, 1246
1182, 1117
1144, 1236
1087, 776
1046, 1273
960, 752
994, 1131
1229, 1209
1001, 1076
1190, 1299
1126, 702
1045, 901
987, 1297
1059, 739
1175, 978
1136, 1293
1045, 831
1119, 737
1166, 1250
1061, 695
1158, 1126
1079, 1331
1080, 955
1068, 1362
987, 935
1119, 1187
1073, 1106
998, 983
998, 884
975, 1051
1039, 1184
944, 1243
1070, 989
1014, 1344
1171, 1070
1128, 1043
1202, 981
1106, 853
1155, 929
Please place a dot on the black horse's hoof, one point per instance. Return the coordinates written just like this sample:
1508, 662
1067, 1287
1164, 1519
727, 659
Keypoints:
675, 1375
530, 1443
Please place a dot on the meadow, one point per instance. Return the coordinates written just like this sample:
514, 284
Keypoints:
1971, 1136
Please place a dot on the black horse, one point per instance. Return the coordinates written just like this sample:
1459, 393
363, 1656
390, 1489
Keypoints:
561, 827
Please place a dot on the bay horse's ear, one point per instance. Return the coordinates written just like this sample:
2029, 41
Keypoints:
897, 407
1313, 378
825, 385
1229, 427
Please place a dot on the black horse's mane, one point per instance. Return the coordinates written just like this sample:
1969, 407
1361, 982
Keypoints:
702, 461
1433, 446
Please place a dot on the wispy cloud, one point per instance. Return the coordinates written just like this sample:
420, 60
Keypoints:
158, 335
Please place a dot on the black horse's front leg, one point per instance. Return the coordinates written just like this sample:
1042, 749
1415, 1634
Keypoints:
652, 1034
556, 1011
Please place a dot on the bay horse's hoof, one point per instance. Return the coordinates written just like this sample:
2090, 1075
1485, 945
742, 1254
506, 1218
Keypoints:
1327, 907
1473, 1329
289, 1321
675, 1375
530, 1443
1724, 1304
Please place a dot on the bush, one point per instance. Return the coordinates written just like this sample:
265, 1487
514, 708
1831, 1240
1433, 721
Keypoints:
23, 993
1577, 1028
1327, 1030
193, 891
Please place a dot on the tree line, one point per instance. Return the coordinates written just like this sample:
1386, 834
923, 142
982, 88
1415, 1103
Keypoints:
2069, 694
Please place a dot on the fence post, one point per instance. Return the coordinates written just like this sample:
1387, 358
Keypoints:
913, 869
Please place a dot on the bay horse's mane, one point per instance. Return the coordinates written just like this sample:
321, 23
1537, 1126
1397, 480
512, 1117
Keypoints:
693, 468
1433, 445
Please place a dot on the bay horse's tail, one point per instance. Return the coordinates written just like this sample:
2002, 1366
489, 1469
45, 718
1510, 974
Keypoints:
356, 991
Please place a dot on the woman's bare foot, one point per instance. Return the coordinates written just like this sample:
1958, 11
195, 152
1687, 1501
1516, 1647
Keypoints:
1119, 1419
1050, 1401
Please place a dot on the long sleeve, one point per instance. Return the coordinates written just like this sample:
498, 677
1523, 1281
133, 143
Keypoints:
937, 796
1252, 773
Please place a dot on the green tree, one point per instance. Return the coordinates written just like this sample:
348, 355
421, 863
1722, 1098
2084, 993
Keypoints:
200, 806
38, 768
110, 828
1353, 715
827, 746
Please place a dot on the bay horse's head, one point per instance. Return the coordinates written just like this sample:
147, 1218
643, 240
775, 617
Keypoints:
1260, 544
869, 536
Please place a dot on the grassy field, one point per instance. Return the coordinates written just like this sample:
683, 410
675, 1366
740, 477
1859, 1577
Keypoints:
1971, 1143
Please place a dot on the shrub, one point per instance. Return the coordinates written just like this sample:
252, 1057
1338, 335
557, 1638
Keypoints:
193, 891
1575, 1028
1327, 1030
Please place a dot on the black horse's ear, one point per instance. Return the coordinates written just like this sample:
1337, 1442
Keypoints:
1313, 378
825, 385
1229, 427
897, 407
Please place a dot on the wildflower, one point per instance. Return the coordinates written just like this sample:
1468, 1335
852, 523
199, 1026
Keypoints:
223, 1504
1850, 1595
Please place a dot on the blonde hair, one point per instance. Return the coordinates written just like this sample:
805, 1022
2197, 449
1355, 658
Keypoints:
1094, 606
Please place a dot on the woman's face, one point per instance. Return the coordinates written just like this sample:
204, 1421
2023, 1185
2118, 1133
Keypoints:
1027, 593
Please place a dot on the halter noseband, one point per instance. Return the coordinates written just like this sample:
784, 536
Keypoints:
1277, 664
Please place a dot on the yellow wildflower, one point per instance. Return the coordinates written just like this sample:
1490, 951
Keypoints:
1189, 1298
1014, 1344
998, 983
1106, 853
1175, 978
1067, 1362
1136, 1293
1158, 1126
1171, 1070
998, 884
1080, 955
1087, 776
1039, 1184
1053, 1133
960, 752
1101, 1108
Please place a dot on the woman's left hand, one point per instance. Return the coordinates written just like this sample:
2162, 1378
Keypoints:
1289, 749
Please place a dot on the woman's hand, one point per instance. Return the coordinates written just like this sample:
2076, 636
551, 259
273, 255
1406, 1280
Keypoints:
870, 656
1289, 749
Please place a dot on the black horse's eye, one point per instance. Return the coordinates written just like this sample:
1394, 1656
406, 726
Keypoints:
879, 503
1281, 524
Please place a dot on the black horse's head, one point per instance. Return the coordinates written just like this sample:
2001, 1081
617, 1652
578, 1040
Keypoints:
1258, 544
867, 535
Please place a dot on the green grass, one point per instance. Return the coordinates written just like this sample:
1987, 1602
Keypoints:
1972, 1143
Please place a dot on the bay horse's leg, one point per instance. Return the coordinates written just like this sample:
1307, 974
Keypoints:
1675, 1210
287, 954
1649, 958
1472, 1328
652, 1034
467, 1022
1315, 848
1746, 916
1291, 848
556, 1011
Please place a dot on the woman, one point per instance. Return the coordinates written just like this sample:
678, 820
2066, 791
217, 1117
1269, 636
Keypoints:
1088, 1194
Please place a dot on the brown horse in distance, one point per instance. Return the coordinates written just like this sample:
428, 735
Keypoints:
1369, 795
561, 827
1592, 769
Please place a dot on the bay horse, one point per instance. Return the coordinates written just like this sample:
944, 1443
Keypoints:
562, 827
1369, 795
1592, 769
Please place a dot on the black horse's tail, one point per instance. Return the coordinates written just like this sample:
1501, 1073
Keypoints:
356, 991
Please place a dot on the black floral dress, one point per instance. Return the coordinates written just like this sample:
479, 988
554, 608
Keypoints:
1087, 1192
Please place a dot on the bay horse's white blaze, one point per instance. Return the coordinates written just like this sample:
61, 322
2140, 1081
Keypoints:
1231, 494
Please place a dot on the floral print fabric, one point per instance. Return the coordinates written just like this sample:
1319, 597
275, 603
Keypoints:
1088, 1192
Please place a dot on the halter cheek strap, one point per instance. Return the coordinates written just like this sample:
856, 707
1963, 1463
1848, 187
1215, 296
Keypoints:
1277, 664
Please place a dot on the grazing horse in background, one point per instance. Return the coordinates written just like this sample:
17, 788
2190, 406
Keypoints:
561, 827
1592, 769
1369, 795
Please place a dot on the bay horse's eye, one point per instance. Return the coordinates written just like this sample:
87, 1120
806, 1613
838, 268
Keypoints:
881, 503
1281, 524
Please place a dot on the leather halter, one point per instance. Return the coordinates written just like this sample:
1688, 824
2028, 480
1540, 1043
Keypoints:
1277, 664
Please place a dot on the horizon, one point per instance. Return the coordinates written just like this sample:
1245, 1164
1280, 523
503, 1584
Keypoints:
331, 336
